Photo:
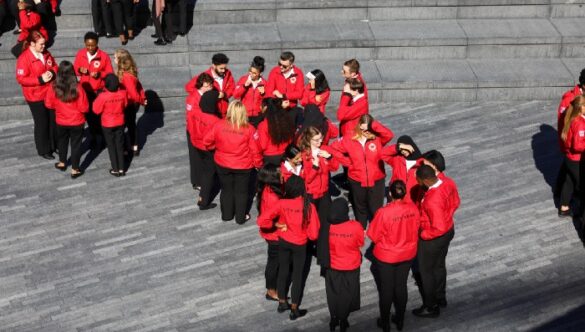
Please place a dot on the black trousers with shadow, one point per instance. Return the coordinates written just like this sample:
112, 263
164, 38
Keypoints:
289, 253
73, 134
208, 178
42, 127
271, 271
123, 15
194, 163
101, 13
115, 141
234, 193
343, 292
366, 200
392, 289
431, 256
130, 122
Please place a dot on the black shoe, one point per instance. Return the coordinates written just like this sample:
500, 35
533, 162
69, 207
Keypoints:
442, 303
426, 312
101, 34
282, 307
58, 12
114, 173
136, 153
182, 34
211, 206
110, 35
333, 323
248, 217
61, 168
385, 326
122, 173
16, 32
48, 156
154, 36
297, 313
160, 42
76, 175
124, 42
169, 40
564, 214
343, 325
398, 322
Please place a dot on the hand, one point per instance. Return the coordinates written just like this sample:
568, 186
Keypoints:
369, 135
285, 104
312, 83
47, 76
318, 98
221, 95
83, 70
21, 5
407, 147
324, 154
94, 74
248, 82
281, 227
277, 94
316, 161
145, 102
261, 89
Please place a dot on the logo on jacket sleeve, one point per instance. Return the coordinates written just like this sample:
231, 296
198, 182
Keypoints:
372, 147
188, 107
20, 72
581, 133
49, 62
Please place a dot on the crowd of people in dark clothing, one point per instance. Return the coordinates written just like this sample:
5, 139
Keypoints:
268, 139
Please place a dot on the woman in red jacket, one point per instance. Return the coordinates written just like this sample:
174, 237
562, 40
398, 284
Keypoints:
236, 154
394, 232
35, 68
250, 89
404, 157
573, 136
69, 101
317, 90
361, 152
270, 190
30, 20
128, 75
110, 104
344, 237
275, 133
297, 223
292, 163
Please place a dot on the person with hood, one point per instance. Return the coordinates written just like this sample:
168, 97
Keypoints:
313, 117
394, 232
110, 104
404, 158
342, 258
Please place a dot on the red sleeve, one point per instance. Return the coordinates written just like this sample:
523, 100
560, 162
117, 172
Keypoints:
333, 131
389, 154
50, 98
228, 88
82, 102
311, 171
435, 227
190, 86
308, 96
333, 162
107, 69
256, 155
129, 82
349, 112
339, 152
29, 21
270, 85
359, 233
98, 104
299, 87
24, 76
263, 137
324, 98
576, 143
384, 133
240, 89
376, 227
267, 217
313, 228
78, 63
209, 139
54, 4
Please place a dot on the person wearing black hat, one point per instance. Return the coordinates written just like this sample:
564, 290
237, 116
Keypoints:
111, 104
342, 259
404, 159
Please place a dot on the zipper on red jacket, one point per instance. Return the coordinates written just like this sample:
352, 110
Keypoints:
365, 163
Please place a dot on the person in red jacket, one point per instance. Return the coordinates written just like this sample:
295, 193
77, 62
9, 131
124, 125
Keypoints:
270, 191
297, 223
351, 69
69, 101
204, 83
317, 90
342, 262
353, 108
286, 81
236, 154
394, 232
203, 118
110, 104
275, 133
92, 65
250, 89
436, 232
361, 152
436, 161
35, 68
29, 20
312, 117
223, 81
573, 136
292, 163
404, 157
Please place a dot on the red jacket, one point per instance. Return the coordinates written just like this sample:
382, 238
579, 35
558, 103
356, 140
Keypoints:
345, 98
29, 21
111, 106
133, 87
101, 64
234, 148
292, 88
394, 230
290, 213
332, 133
192, 108
365, 162
201, 124
250, 96
227, 88
565, 103
28, 74
68, 113
285, 173
575, 143
400, 172
349, 114
265, 145
269, 199
345, 241
317, 178
437, 209
309, 97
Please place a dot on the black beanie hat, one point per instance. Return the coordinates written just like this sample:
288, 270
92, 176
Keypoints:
112, 82
339, 211
208, 102
405, 139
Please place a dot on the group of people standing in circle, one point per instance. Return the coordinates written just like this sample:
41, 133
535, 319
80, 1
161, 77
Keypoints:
274, 142
63, 97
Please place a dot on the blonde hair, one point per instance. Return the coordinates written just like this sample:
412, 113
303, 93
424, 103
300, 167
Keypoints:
307, 136
126, 63
571, 113
364, 119
237, 115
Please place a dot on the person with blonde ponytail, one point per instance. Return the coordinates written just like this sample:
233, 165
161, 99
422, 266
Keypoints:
236, 154
573, 137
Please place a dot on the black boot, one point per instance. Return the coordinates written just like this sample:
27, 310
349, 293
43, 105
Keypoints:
385, 326
296, 313
427, 312
333, 323
282, 307
343, 325
398, 321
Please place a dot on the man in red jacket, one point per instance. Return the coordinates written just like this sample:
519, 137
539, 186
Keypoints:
223, 81
437, 209
351, 69
287, 82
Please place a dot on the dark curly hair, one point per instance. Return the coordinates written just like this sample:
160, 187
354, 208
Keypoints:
65, 85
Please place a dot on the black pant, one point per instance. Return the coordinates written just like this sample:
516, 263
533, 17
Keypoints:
272, 160
343, 292
234, 193
571, 183
271, 271
156, 21
291, 253
170, 7
123, 14
130, 123
101, 13
322, 205
207, 175
94, 123
366, 200
115, 140
194, 163
75, 135
431, 258
13, 8
2, 14
177, 8
393, 289
42, 123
